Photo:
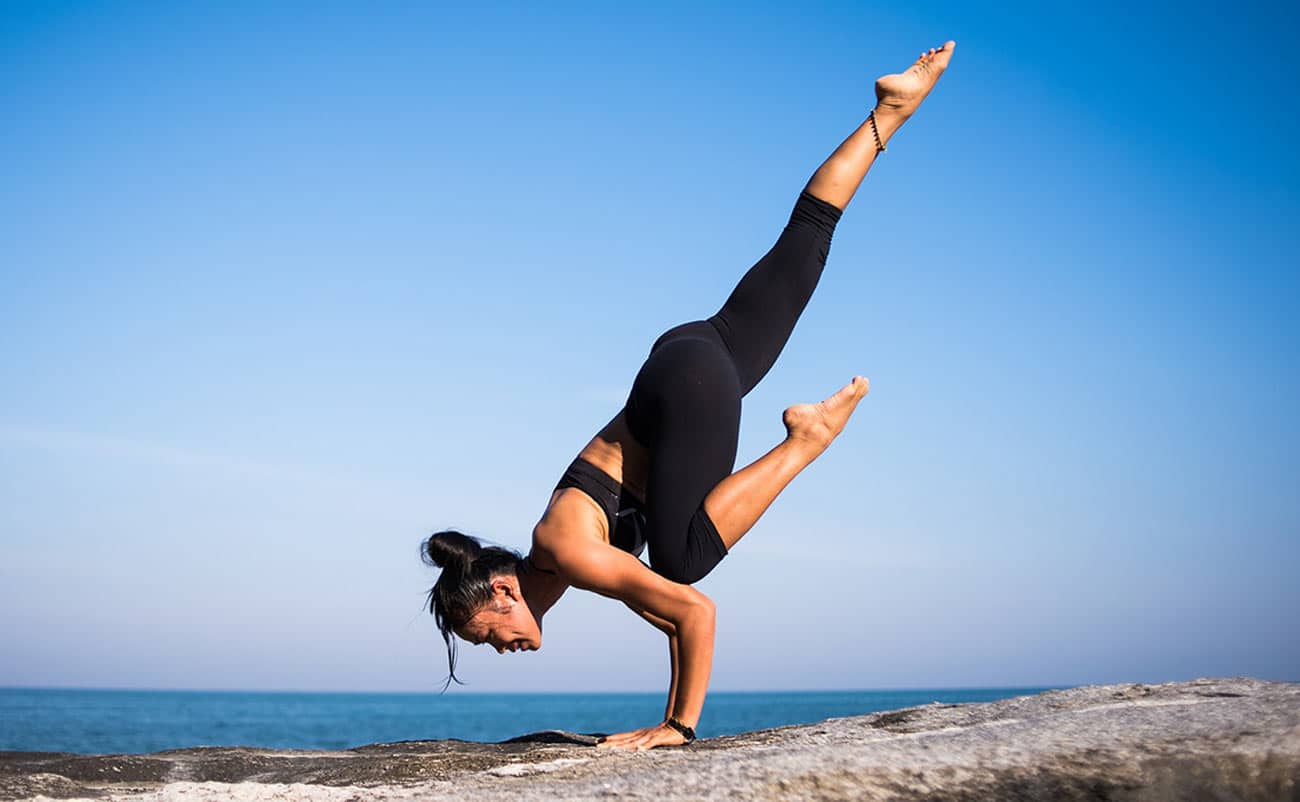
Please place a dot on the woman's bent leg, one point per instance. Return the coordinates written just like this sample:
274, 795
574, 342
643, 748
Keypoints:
685, 406
738, 501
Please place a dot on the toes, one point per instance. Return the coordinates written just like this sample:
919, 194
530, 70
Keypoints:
926, 55
853, 390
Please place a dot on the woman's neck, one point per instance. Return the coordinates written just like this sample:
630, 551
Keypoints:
541, 589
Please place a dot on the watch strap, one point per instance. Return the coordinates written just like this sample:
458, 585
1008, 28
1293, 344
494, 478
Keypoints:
687, 732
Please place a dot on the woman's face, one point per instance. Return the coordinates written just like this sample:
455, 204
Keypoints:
506, 622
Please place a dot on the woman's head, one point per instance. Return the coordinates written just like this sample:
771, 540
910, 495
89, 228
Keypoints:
478, 596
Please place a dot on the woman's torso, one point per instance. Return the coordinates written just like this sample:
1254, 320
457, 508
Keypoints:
624, 464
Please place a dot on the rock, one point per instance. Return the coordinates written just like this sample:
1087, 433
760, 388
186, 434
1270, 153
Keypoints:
1207, 739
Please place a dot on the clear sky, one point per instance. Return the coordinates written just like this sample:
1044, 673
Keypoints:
286, 287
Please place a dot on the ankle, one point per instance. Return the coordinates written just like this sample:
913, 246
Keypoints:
888, 120
807, 446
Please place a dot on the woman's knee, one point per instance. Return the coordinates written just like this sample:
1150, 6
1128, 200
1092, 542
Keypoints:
681, 572
698, 555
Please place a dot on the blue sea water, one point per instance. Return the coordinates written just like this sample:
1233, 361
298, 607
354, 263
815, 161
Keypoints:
121, 721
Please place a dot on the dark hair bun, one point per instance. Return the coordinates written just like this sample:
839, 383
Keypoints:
451, 551
465, 585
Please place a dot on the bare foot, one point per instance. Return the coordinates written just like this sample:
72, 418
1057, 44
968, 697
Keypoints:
900, 94
820, 423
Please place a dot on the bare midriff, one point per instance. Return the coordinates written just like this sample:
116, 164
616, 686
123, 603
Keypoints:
618, 454
614, 451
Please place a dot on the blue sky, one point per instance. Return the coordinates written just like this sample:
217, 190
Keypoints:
283, 290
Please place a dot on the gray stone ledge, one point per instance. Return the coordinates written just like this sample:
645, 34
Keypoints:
1206, 739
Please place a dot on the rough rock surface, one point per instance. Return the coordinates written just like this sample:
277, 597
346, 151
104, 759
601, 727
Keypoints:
1207, 739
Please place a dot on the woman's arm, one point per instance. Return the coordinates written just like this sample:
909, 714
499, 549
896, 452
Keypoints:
672, 685
655, 621
668, 629
612, 572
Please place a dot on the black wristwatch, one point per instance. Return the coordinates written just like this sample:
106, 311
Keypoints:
687, 732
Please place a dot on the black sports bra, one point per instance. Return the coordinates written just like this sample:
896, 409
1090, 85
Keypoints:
627, 522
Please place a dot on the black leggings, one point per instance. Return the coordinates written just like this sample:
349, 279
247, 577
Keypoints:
685, 401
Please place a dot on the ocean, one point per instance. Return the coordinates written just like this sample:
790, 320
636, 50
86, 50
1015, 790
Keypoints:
125, 721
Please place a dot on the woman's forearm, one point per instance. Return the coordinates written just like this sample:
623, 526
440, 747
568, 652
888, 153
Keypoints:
694, 662
670, 629
672, 685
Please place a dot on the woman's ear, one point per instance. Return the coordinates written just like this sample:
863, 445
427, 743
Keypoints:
503, 589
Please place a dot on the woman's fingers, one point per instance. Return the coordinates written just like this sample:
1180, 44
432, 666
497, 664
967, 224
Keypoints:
621, 739
636, 738
644, 740
647, 738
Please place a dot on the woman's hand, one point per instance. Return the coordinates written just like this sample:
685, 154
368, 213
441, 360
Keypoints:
617, 574
648, 738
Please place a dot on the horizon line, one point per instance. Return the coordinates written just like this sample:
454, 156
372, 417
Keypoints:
659, 692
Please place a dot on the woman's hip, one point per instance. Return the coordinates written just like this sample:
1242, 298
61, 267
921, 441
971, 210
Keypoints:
689, 380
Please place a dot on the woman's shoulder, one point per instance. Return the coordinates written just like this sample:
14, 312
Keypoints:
571, 515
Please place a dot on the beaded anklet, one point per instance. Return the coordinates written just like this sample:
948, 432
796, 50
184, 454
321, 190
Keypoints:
880, 146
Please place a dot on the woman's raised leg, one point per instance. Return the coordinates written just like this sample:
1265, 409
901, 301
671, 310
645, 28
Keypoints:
759, 316
736, 503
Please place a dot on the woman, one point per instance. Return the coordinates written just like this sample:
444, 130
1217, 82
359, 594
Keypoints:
660, 473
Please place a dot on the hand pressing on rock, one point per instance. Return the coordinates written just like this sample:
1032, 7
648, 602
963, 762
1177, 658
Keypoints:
646, 738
